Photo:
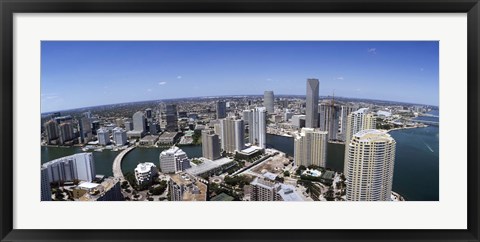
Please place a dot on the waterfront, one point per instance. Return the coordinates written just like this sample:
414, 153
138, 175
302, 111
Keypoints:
416, 175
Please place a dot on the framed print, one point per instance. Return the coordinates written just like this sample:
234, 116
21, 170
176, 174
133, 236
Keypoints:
266, 120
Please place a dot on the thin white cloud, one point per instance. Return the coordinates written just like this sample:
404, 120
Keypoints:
179, 77
269, 79
340, 78
372, 51
149, 90
162, 83
421, 69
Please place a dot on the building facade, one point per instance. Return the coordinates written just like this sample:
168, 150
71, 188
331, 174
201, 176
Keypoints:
173, 160
119, 136
311, 110
210, 145
171, 118
310, 147
370, 161
258, 127
221, 108
269, 101
79, 166
145, 173
233, 135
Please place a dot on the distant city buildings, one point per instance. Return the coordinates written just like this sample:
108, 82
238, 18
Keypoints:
173, 160
65, 132
46, 190
298, 121
85, 129
221, 110
145, 172
311, 110
310, 147
139, 123
369, 164
268, 101
51, 131
210, 145
344, 112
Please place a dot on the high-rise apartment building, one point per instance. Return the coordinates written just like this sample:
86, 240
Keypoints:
79, 166
310, 147
233, 135
186, 187
370, 161
329, 119
145, 173
258, 127
85, 130
103, 136
221, 108
46, 192
311, 110
344, 112
65, 132
268, 101
139, 122
119, 136
173, 160
51, 131
210, 145
356, 122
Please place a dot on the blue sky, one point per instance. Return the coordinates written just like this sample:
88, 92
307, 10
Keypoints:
78, 74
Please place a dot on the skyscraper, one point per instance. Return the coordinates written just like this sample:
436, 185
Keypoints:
221, 110
51, 130
46, 193
268, 101
139, 122
310, 147
119, 136
79, 166
370, 161
258, 127
103, 137
210, 145
344, 112
233, 135
173, 160
85, 130
66, 132
356, 122
311, 112
329, 119
172, 118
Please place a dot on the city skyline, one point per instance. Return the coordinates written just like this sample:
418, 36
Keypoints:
131, 71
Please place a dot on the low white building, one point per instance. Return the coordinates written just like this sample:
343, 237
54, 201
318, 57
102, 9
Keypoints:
145, 172
173, 160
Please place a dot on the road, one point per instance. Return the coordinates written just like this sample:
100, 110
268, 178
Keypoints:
117, 163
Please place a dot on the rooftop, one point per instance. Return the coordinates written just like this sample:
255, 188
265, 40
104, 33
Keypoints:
208, 165
373, 135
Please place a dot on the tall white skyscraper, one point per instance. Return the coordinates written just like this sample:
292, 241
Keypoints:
79, 166
233, 135
139, 122
103, 137
369, 162
268, 101
258, 127
119, 136
310, 147
344, 112
356, 122
311, 110
173, 160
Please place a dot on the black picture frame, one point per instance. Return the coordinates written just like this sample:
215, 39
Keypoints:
9, 7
